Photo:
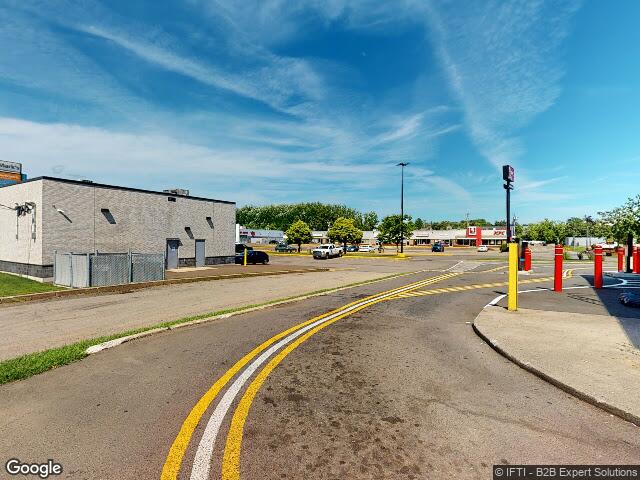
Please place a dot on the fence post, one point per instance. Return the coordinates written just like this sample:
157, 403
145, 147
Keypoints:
89, 270
71, 270
557, 275
512, 300
130, 276
597, 274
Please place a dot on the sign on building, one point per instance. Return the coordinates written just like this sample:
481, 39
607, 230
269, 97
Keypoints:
10, 167
10, 173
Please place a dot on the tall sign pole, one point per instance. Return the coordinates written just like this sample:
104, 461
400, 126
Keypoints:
402, 165
509, 176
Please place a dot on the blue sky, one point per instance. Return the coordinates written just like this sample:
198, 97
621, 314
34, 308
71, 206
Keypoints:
276, 101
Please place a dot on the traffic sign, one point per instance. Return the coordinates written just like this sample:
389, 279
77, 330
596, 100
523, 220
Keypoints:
508, 173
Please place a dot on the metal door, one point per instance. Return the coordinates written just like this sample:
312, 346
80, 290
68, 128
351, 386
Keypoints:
200, 257
172, 253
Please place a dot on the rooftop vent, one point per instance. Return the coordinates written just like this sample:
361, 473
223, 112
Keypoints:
177, 191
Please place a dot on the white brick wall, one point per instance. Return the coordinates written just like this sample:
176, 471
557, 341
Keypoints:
23, 249
143, 222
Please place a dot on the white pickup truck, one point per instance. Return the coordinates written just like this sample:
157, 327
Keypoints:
328, 250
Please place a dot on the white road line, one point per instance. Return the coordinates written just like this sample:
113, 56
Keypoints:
451, 268
493, 302
202, 461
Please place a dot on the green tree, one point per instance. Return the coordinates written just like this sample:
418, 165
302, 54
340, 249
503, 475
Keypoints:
623, 221
546, 230
279, 216
390, 229
576, 227
344, 230
367, 221
298, 233
419, 223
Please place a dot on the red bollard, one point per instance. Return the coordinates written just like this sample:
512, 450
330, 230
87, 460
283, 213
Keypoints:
597, 273
620, 259
557, 275
636, 260
527, 259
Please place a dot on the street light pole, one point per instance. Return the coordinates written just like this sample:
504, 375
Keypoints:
402, 165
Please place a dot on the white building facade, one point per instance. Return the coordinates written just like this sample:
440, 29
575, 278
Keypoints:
44, 215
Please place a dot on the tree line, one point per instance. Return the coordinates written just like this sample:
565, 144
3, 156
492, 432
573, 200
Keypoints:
318, 216
344, 230
616, 224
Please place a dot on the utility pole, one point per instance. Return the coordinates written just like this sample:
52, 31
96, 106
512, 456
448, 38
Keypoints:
588, 220
402, 165
467, 219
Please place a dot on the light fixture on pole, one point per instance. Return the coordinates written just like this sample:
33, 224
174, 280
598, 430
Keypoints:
402, 165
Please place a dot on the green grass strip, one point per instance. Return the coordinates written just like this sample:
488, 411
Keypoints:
34, 363
11, 285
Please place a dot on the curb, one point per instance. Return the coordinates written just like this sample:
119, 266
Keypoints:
119, 341
130, 287
607, 407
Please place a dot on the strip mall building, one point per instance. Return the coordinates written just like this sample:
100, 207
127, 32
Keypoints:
471, 236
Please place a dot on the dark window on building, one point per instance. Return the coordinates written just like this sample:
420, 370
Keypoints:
210, 221
189, 232
108, 215
171, 199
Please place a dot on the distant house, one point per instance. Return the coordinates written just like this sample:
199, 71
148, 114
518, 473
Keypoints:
583, 241
258, 236
369, 237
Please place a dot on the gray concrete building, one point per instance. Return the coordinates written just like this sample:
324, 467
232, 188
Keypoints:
44, 215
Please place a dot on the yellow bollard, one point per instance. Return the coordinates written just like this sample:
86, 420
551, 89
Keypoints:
245, 258
513, 277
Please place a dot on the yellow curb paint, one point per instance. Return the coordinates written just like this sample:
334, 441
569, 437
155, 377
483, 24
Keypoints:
512, 302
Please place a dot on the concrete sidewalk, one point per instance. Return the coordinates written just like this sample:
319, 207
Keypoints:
593, 356
34, 326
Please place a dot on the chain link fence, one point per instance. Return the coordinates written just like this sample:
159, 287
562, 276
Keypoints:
102, 269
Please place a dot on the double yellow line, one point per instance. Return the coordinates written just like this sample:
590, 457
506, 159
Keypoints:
435, 291
231, 459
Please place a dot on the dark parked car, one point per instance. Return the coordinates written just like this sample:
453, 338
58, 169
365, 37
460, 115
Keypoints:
437, 247
253, 256
352, 248
241, 246
285, 248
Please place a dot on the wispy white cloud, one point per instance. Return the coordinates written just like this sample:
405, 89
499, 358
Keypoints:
274, 82
503, 63
532, 185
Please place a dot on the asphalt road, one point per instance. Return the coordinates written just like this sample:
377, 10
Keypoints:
400, 389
